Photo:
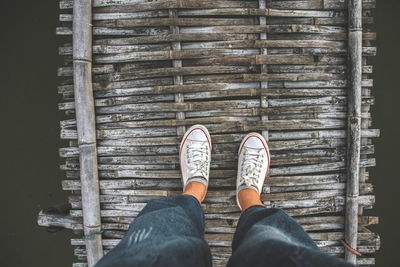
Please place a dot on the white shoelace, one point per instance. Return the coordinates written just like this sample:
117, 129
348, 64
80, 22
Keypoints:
251, 166
197, 158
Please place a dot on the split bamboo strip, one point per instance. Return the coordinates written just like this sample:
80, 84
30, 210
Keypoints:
293, 17
138, 5
85, 117
289, 16
222, 176
102, 47
279, 41
276, 135
238, 11
294, 28
122, 196
220, 247
230, 220
294, 207
309, 182
223, 37
200, 117
354, 125
218, 90
209, 54
310, 61
219, 263
226, 226
123, 105
281, 82
107, 53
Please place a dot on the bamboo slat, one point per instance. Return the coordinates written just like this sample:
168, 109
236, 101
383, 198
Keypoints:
289, 16
224, 226
138, 5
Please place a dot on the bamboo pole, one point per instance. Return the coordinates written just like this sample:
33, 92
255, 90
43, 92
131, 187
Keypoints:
85, 117
354, 125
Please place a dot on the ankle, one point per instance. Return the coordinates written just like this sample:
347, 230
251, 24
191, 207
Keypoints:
248, 197
196, 189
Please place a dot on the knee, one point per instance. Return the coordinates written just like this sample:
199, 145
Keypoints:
188, 251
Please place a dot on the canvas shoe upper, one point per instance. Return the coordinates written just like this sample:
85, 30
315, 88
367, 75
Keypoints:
253, 163
195, 155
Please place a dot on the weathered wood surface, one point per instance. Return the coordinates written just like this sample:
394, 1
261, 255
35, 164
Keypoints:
276, 67
85, 123
354, 125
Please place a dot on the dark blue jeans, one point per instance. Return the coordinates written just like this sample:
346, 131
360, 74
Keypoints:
170, 232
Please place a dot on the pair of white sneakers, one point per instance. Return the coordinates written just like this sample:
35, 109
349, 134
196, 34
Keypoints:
195, 159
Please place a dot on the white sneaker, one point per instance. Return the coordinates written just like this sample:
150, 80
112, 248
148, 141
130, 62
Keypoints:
195, 155
253, 165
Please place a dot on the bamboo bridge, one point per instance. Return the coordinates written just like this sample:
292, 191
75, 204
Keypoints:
137, 73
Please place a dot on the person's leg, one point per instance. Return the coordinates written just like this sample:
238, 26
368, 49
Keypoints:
268, 237
170, 232
167, 232
197, 190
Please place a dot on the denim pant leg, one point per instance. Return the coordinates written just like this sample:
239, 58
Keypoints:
167, 232
270, 237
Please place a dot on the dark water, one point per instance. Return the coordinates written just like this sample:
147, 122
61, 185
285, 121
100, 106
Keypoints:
385, 176
30, 179
29, 131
